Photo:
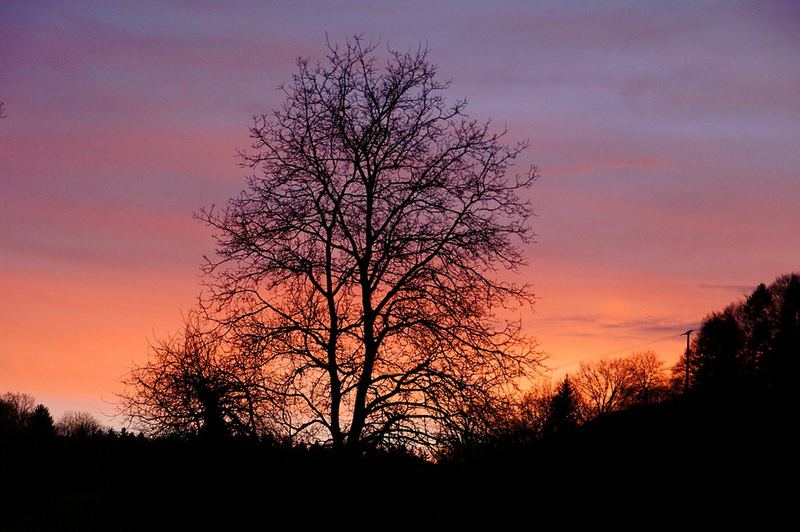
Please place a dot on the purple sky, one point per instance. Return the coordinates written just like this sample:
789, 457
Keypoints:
667, 134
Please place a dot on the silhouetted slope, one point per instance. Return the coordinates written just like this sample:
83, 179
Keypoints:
716, 461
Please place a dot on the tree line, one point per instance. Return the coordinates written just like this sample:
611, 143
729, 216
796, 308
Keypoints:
22, 417
748, 351
752, 344
196, 383
624, 420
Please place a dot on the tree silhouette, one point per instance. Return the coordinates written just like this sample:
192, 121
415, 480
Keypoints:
360, 260
717, 351
14, 411
533, 410
783, 362
604, 386
648, 378
677, 376
196, 383
21, 403
756, 319
563, 412
751, 345
79, 425
39, 424
610, 385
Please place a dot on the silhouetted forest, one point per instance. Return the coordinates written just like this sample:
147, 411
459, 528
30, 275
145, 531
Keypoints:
617, 442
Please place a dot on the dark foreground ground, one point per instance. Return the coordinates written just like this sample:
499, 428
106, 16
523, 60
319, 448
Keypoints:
675, 465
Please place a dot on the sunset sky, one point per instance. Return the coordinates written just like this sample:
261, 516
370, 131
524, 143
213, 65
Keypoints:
667, 135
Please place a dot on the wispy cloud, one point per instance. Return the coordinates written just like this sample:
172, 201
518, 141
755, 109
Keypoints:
603, 324
647, 162
738, 288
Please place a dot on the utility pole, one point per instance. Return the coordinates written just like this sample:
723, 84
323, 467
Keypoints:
687, 334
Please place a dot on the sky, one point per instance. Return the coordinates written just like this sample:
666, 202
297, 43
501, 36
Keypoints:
667, 135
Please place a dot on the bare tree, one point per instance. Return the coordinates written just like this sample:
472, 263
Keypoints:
648, 377
533, 408
78, 425
195, 383
604, 386
3, 110
21, 404
614, 384
15, 408
361, 258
